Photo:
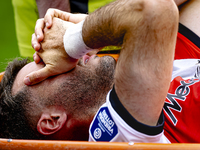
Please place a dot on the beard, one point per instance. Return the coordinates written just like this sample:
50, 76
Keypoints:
105, 73
81, 93
86, 89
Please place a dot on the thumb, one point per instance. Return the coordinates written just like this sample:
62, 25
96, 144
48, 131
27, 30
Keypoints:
37, 76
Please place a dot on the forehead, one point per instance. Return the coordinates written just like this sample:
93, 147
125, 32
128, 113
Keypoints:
19, 80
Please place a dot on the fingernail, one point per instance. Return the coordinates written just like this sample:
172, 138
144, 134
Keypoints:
35, 47
47, 24
38, 36
27, 81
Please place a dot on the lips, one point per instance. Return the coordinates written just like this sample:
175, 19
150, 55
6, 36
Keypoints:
86, 58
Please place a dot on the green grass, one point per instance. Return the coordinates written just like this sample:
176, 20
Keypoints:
8, 43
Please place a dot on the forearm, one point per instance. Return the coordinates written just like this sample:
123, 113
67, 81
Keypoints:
148, 42
107, 25
104, 27
110, 23
44, 5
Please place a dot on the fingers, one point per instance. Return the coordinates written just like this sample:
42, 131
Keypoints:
51, 13
37, 58
39, 27
38, 76
38, 36
76, 18
35, 44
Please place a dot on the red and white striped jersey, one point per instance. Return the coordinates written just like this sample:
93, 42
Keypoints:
182, 105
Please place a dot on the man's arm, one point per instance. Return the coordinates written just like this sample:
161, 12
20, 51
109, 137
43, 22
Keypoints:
147, 37
44, 5
51, 13
147, 31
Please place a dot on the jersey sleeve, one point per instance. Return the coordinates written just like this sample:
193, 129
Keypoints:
187, 45
115, 124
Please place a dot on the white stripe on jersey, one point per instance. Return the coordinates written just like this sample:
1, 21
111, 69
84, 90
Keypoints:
187, 68
125, 133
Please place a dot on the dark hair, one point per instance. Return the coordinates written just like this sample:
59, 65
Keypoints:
13, 122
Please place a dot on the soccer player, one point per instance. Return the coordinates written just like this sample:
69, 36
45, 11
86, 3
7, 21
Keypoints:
62, 106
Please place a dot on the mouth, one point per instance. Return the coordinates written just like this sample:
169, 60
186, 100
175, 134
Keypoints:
86, 58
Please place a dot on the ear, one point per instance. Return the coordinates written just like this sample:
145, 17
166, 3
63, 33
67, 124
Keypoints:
51, 120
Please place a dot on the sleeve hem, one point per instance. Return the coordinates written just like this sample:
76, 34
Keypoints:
131, 121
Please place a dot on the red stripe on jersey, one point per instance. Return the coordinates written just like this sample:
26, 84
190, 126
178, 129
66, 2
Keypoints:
184, 123
185, 48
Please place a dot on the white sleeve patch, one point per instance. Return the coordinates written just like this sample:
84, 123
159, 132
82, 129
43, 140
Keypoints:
103, 127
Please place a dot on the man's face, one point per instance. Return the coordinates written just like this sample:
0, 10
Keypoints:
92, 77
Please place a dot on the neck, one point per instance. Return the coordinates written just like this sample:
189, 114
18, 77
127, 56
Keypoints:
78, 128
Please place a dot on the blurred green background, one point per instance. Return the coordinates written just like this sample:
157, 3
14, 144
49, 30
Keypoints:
8, 42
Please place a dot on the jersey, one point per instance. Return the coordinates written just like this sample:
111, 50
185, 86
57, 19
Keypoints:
114, 123
182, 105
188, 45
181, 109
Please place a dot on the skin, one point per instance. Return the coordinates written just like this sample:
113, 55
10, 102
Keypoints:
128, 79
50, 111
31, 67
51, 67
129, 89
146, 59
133, 69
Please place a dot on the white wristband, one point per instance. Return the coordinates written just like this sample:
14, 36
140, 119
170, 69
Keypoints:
73, 41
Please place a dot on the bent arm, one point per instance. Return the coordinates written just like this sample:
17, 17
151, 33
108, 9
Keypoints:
147, 37
147, 31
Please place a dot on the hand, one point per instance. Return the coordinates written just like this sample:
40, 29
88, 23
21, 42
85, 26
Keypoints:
47, 21
52, 53
51, 13
36, 58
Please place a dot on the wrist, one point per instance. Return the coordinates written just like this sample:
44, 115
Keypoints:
73, 41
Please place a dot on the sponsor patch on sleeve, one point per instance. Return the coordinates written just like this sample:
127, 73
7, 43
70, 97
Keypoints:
103, 127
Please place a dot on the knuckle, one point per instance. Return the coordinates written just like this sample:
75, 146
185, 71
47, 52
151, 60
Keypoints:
33, 45
33, 35
50, 10
36, 29
33, 38
38, 21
